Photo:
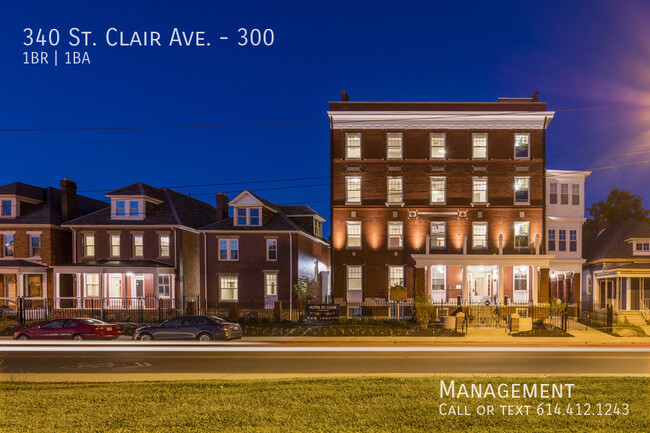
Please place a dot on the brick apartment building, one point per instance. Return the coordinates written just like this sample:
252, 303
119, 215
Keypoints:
260, 252
33, 239
444, 198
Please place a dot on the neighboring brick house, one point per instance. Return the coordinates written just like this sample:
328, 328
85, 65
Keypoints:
565, 214
260, 252
144, 245
445, 198
617, 273
33, 239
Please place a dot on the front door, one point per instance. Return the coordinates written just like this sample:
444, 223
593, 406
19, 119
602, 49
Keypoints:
115, 290
138, 290
480, 289
10, 290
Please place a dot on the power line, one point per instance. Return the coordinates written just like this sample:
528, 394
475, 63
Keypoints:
598, 149
602, 156
266, 189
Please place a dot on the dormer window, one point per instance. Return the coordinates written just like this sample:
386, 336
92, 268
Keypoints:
642, 247
248, 216
318, 227
134, 207
119, 208
6, 208
125, 208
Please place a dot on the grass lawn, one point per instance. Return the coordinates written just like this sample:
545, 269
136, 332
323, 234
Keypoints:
319, 405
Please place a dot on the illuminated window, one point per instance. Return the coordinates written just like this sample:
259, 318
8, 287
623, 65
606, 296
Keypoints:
520, 274
438, 190
115, 245
271, 284
395, 234
395, 276
394, 143
353, 234
521, 234
522, 146
92, 285
438, 277
437, 146
479, 235
353, 146
479, 189
229, 286
479, 146
353, 189
395, 190
8, 245
89, 245
163, 241
522, 188
438, 234
355, 275
138, 245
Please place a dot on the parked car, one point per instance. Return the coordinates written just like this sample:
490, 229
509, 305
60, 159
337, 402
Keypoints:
201, 328
71, 329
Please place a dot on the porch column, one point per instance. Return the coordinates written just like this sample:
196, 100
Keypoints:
45, 285
79, 290
628, 294
535, 285
57, 289
156, 293
21, 284
465, 291
501, 284
172, 289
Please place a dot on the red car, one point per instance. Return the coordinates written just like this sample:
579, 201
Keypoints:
70, 329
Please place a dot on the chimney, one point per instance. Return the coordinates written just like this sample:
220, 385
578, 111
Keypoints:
222, 206
68, 199
535, 96
344, 96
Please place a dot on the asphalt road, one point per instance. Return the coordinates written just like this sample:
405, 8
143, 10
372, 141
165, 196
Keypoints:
282, 360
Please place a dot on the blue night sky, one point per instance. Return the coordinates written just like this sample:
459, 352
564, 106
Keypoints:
577, 54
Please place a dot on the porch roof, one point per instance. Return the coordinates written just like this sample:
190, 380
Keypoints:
542, 260
20, 264
118, 264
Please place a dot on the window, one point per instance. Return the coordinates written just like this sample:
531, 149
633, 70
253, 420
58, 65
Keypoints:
353, 146
479, 190
479, 235
34, 245
355, 275
395, 190
438, 190
575, 194
553, 193
438, 234
134, 208
395, 276
479, 146
318, 227
138, 245
562, 242
89, 245
573, 240
522, 146
353, 189
228, 249
521, 234
522, 185
271, 284
115, 245
164, 284
437, 146
6, 208
119, 208
229, 286
589, 285
8, 245
395, 234
643, 246
564, 193
353, 232
248, 216
520, 274
163, 241
271, 249
92, 285
437, 277
394, 143
551, 240
35, 286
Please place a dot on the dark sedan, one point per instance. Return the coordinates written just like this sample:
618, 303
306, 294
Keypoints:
201, 328
71, 329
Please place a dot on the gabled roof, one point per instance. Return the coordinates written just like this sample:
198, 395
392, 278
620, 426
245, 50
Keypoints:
245, 194
23, 190
138, 189
611, 242
175, 209
302, 210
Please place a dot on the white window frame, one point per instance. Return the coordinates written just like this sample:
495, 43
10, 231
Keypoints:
247, 211
349, 277
437, 270
234, 294
5, 247
552, 193
514, 278
135, 245
318, 227
573, 237
574, 187
393, 194
87, 246
87, 284
521, 224
476, 224
161, 252
229, 249
435, 240
442, 179
274, 275
396, 137
399, 236
392, 280
645, 248
522, 179
551, 238
30, 237
127, 202
269, 243
348, 235
112, 246
476, 179
348, 137
350, 182
559, 239
475, 137
564, 186
517, 135
436, 155
167, 284
13, 207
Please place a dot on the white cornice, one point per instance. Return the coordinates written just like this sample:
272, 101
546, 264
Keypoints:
522, 120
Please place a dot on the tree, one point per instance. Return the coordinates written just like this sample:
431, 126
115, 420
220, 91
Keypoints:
617, 207
304, 288
425, 311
